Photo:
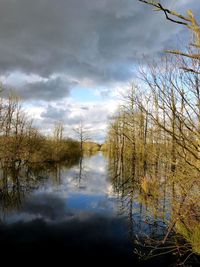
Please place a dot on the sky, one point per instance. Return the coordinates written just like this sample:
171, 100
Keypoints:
69, 59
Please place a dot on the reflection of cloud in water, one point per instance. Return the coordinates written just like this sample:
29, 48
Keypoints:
61, 202
93, 180
53, 209
91, 203
77, 217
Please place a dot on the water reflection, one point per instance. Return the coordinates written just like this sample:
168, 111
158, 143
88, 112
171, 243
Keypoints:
79, 208
61, 209
163, 217
57, 189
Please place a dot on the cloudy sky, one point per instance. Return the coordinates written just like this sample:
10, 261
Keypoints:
68, 59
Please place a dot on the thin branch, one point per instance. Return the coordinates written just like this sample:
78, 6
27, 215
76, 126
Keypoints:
177, 52
170, 12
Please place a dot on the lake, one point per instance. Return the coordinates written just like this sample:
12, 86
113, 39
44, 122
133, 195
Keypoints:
77, 214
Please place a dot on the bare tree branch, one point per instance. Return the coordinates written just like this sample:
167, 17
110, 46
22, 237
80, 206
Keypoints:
167, 11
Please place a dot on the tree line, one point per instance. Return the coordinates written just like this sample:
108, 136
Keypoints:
154, 139
21, 143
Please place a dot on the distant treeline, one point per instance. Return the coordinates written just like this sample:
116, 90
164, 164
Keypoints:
90, 146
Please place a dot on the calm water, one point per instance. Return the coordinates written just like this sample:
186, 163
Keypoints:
75, 214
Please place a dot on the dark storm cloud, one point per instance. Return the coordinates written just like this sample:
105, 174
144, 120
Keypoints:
96, 39
51, 89
46, 206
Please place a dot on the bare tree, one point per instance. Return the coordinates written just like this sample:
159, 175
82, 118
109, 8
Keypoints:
58, 131
82, 134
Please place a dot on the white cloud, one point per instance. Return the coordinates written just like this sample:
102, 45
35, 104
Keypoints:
94, 116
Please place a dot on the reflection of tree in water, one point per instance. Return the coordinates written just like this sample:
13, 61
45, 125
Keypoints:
83, 170
162, 218
16, 182
55, 170
80, 174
